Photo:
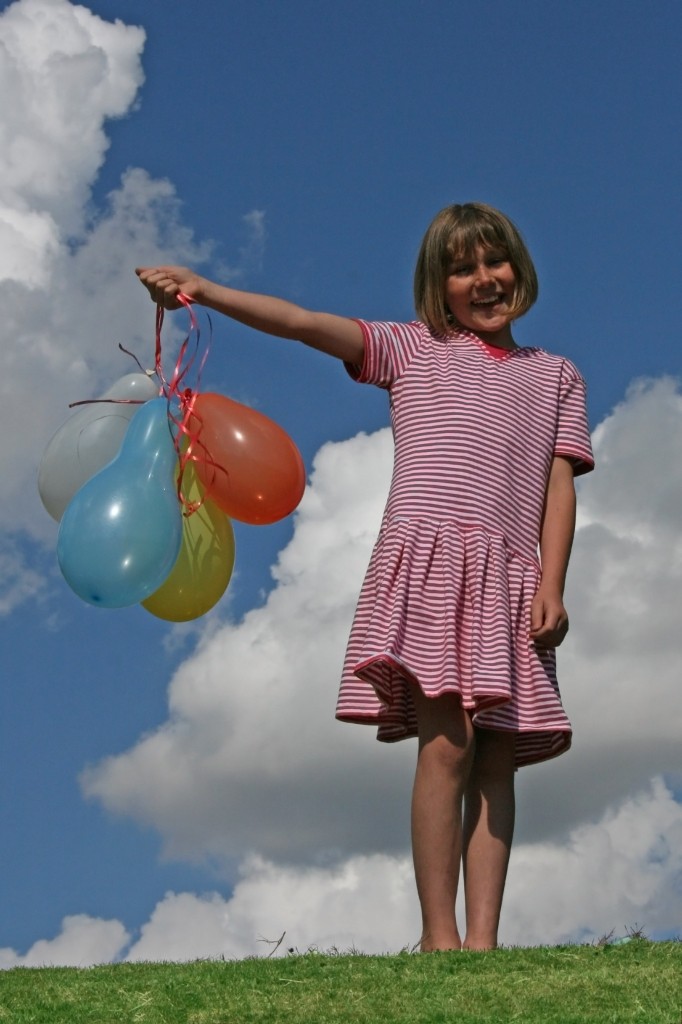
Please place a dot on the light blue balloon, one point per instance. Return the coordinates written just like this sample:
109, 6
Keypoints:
120, 534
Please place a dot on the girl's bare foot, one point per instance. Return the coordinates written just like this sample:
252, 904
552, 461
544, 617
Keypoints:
478, 945
439, 943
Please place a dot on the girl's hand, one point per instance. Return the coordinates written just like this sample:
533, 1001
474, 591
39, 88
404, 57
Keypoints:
548, 619
164, 284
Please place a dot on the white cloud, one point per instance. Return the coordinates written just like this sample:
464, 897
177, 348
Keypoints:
69, 71
66, 70
251, 758
66, 336
366, 903
19, 581
67, 287
250, 253
641, 436
82, 942
28, 244
620, 668
229, 772
622, 871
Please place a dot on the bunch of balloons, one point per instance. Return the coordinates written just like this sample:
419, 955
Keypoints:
110, 477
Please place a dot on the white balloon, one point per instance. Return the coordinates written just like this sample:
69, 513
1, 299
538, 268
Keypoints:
88, 441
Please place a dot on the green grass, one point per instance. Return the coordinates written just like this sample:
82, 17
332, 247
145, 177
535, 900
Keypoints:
637, 982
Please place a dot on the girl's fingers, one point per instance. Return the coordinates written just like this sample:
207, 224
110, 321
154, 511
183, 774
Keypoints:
551, 634
162, 288
164, 284
548, 623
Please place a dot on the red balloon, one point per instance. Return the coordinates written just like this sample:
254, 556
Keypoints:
249, 466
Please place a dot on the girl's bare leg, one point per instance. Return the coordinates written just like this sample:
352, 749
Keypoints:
488, 831
446, 744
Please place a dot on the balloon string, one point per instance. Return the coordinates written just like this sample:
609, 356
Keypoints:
133, 356
119, 401
188, 423
108, 401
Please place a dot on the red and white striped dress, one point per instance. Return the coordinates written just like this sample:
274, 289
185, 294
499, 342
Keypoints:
446, 599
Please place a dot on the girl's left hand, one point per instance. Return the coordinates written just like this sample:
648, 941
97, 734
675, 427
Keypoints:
548, 619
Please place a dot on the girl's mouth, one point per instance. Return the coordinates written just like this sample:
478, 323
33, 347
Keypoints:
488, 302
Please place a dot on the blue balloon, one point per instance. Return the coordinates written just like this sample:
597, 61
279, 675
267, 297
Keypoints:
120, 534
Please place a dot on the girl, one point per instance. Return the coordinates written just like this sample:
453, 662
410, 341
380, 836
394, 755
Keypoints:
454, 635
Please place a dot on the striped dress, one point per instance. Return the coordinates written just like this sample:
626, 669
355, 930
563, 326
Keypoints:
446, 599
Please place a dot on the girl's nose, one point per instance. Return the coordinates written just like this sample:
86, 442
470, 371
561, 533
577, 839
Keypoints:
483, 274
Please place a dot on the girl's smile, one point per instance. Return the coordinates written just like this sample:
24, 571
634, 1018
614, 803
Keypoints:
479, 291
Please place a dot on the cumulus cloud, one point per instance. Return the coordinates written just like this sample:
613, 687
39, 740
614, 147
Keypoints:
67, 288
317, 908
229, 772
623, 871
19, 580
67, 71
250, 758
620, 668
82, 942
251, 252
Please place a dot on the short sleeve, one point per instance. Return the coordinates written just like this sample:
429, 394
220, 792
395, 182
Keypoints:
389, 347
573, 435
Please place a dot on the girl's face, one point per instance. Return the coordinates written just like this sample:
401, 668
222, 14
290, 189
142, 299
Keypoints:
479, 291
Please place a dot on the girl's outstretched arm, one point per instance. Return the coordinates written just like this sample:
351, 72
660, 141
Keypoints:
549, 621
335, 335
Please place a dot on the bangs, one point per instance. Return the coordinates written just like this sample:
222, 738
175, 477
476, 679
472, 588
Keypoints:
472, 232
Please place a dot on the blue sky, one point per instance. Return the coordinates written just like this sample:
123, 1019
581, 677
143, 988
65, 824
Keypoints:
304, 148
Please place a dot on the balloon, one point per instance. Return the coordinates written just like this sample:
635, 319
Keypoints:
200, 576
121, 533
249, 466
87, 441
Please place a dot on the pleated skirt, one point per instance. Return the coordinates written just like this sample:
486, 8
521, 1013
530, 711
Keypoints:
447, 608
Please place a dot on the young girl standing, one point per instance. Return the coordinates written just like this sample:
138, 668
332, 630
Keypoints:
454, 634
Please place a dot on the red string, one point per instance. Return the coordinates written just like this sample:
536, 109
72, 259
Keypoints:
187, 423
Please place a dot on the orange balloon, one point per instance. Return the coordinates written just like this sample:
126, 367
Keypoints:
249, 466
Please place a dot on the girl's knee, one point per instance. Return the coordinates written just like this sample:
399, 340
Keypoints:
495, 754
442, 719
443, 756
446, 738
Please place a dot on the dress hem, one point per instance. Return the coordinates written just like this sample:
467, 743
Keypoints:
394, 735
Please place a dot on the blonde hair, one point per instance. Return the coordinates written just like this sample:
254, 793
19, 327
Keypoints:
455, 233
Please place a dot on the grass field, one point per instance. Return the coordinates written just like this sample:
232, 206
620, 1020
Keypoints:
639, 982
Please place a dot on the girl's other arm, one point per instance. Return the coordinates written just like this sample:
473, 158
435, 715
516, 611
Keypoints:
549, 621
336, 335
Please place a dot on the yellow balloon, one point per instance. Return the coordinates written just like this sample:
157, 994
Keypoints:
204, 566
